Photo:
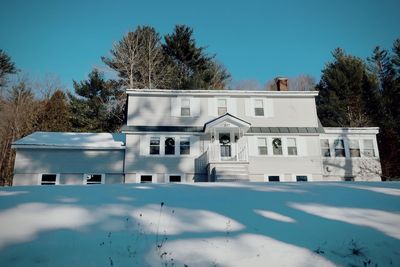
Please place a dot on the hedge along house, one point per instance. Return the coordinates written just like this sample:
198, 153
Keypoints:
205, 135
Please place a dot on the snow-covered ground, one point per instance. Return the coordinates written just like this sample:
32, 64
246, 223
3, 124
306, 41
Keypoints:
217, 224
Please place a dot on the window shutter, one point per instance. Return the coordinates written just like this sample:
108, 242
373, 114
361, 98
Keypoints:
248, 107
144, 145
212, 107
175, 107
302, 146
195, 106
269, 107
232, 106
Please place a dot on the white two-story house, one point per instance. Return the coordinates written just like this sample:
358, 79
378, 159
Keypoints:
205, 136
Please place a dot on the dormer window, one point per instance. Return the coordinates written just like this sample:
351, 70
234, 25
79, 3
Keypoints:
222, 107
185, 107
258, 107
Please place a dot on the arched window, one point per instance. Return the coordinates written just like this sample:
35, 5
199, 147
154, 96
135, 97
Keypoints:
169, 146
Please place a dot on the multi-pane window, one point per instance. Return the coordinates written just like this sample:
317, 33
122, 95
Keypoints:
93, 179
277, 146
368, 150
301, 178
262, 146
339, 148
258, 107
273, 178
292, 146
146, 178
185, 107
185, 146
49, 179
155, 145
222, 107
325, 151
175, 178
169, 146
354, 147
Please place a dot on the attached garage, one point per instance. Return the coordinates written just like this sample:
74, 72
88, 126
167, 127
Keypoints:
50, 158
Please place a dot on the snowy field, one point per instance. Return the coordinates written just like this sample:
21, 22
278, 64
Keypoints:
218, 224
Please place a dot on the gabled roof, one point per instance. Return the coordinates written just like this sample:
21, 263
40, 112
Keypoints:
226, 118
70, 140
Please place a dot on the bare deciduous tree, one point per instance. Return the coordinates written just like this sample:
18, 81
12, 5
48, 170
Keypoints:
138, 59
19, 112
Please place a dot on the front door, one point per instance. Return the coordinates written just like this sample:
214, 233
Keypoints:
225, 145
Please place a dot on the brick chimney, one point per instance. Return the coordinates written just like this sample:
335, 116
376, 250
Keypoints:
282, 84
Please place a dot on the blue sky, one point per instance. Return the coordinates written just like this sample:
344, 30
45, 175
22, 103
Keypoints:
255, 40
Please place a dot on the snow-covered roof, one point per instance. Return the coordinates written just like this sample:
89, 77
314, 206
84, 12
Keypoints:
72, 140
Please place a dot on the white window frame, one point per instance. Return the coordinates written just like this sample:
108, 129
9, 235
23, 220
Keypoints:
57, 182
266, 177
226, 105
262, 106
329, 147
190, 145
344, 147
359, 146
282, 146
103, 177
162, 137
190, 107
182, 175
257, 144
287, 146
362, 148
175, 146
159, 145
309, 176
153, 177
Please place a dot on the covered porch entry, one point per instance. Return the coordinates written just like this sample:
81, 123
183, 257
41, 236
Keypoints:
227, 153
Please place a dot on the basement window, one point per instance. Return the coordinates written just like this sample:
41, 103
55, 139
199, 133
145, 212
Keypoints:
49, 179
301, 178
273, 178
175, 179
146, 178
94, 178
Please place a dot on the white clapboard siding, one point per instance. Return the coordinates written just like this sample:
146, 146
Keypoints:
212, 107
195, 106
269, 107
144, 145
253, 146
302, 146
175, 107
247, 105
232, 106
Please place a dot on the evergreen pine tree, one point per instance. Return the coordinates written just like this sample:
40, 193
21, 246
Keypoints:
92, 110
56, 114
